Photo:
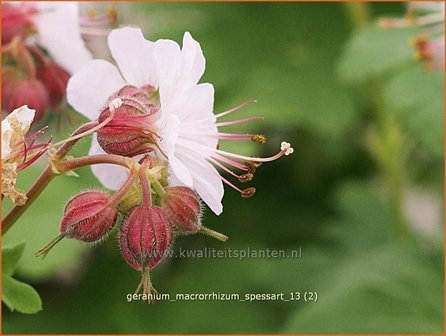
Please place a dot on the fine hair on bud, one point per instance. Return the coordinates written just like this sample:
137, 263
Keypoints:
88, 217
145, 236
183, 208
129, 131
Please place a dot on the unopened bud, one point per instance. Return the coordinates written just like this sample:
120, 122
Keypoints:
31, 92
88, 217
145, 236
55, 79
17, 21
183, 209
129, 132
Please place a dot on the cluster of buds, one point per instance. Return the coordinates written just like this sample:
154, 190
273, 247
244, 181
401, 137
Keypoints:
152, 117
153, 214
429, 44
32, 73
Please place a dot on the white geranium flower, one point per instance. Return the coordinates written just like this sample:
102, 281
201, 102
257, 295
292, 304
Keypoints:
174, 72
57, 29
186, 129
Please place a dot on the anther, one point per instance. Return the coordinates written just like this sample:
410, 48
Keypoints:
246, 177
249, 192
260, 138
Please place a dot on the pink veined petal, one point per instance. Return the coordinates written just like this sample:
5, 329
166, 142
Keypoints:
89, 89
59, 33
168, 62
134, 56
111, 176
193, 61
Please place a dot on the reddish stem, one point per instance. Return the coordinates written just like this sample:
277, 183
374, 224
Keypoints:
43, 180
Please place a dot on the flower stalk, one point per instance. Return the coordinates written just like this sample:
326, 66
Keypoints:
386, 142
62, 166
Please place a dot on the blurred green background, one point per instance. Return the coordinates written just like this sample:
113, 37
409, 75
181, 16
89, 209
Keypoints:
362, 195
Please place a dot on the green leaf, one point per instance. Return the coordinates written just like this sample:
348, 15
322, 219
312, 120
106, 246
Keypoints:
395, 289
20, 296
417, 94
374, 50
365, 218
11, 256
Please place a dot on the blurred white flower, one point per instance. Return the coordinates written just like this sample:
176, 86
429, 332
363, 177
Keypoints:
53, 25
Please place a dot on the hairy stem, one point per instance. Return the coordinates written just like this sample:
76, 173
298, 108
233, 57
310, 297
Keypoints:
83, 161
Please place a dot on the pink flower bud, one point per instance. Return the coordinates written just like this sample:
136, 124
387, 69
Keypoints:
145, 236
19, 92
88, 217
183, 208
55, 79
16, 21
130, 132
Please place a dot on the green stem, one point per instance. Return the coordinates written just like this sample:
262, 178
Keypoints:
358, 13
214, 234
390, 142
118, 195
157, 186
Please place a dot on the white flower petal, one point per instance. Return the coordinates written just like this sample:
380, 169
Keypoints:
134, 56
168, 62
25, 117
111, 176
206, 181
181, 172
199, 104
197, 116
59, 32
89, 89
193, 62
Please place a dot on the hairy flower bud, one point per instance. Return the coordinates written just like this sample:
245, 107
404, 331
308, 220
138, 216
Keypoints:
16, 21
55, 79
183, 208
88, 217
145, 236
130, 132
31, 92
